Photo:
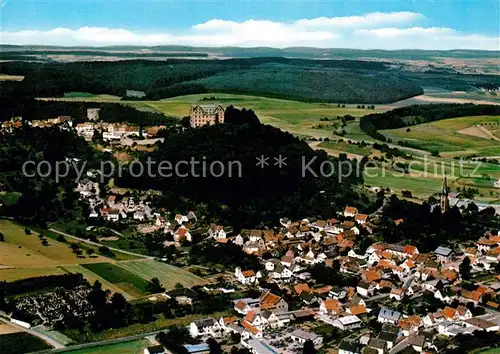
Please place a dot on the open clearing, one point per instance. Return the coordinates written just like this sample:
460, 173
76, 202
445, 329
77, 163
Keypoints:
445, 136
169, 275
131, 347
5, 77
7, 329
21, 250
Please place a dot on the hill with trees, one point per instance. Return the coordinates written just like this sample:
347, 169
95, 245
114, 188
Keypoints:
257, 194
306, 80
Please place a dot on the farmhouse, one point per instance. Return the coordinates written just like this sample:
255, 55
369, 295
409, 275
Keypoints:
200, 115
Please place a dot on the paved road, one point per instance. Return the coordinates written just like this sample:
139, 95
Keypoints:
35, 333
99, 245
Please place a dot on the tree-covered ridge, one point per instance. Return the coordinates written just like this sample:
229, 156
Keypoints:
257, 195
419, 114
304, 84
300, 79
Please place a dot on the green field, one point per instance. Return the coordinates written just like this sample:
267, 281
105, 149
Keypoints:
131, 347
22, 342
346, 147
386, 178
169, 275
444, 136
131, 283
292, 116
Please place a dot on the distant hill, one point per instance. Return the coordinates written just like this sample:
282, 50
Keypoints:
291, 52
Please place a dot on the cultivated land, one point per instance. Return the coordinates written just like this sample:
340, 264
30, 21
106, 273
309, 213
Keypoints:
21, 250
132, 277
122, 278
169, 275
131, 347
447, 136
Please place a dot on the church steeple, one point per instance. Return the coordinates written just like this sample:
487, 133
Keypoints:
444, 196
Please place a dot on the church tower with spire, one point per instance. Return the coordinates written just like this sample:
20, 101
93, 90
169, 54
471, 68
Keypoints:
445, 204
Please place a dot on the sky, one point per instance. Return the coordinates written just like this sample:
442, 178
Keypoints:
362, 24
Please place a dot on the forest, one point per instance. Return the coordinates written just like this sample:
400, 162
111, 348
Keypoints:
426, 227
347, 80
419, 114
42, 199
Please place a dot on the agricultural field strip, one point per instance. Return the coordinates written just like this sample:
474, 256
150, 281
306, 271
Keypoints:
168, 275
117, 275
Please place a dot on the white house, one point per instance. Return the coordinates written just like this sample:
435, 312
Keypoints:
207, 326
245, 277
301, 336
347, 322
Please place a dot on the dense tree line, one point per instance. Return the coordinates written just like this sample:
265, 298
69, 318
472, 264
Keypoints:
229, 255
43, 198
301, 79
31, 109
419, 114
427, 227
246, 195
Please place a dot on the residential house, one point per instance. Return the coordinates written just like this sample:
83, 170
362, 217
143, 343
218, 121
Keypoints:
301, 336
361, 218
207, 326
397, 294
349, 347
330, 306
347, 322
365, 289
182, 233
378, 344
245, 277
350, 212
243, 306
272, 302
388, 316
444, 254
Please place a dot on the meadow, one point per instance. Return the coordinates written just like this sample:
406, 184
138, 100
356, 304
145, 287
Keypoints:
448, 136
346, 147
22, 250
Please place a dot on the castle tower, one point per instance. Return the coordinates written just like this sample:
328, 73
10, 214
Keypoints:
445, 204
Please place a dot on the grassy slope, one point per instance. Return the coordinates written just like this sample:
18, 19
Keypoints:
21, 250
443, 136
